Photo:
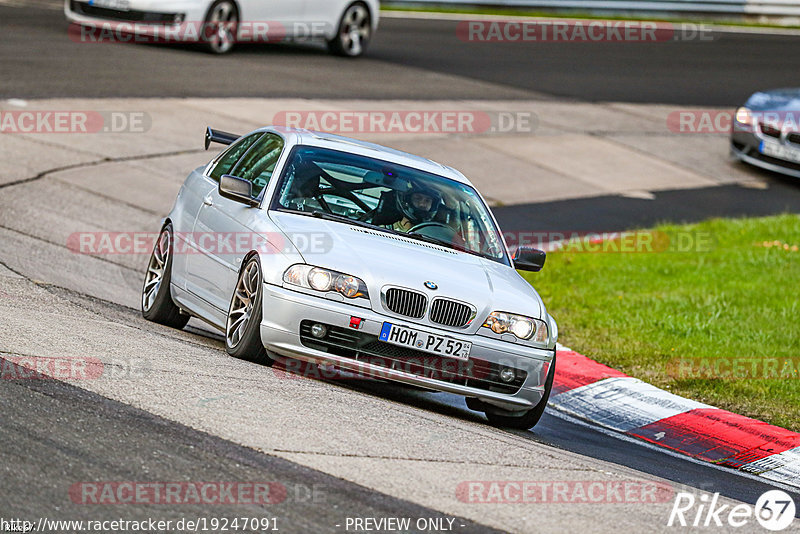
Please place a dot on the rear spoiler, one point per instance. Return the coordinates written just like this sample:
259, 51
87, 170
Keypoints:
218, 136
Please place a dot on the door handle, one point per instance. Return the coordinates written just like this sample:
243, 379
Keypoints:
207, 201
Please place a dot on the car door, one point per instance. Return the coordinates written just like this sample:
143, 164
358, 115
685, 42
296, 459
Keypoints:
286, 13
231, 225
198, 191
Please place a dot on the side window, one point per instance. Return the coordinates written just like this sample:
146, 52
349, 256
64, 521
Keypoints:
228, 159
259, 162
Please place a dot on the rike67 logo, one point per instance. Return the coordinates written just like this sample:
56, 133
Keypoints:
774, 510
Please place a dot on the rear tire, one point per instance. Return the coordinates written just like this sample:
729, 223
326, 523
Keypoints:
157, 304
531, 417
220, 27
354, 32
243, 325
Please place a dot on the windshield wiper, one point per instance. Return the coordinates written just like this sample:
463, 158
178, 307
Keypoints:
434, 240
341, 218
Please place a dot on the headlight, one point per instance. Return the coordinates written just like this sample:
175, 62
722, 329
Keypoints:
349, 286
320, 279
743, 116
522, 327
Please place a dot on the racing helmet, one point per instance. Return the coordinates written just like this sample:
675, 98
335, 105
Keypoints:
420, 203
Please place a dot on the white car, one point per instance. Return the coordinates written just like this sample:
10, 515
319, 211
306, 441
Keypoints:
329, 250
346, 25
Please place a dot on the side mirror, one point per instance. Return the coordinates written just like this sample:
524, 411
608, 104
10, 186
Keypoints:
237, 189
529, 259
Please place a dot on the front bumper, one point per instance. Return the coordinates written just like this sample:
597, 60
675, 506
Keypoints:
172, 16
745, 147
285, 310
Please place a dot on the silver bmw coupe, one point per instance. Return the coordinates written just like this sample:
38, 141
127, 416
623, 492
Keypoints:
310, 247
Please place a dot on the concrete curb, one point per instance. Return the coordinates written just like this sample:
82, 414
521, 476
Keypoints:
594, 392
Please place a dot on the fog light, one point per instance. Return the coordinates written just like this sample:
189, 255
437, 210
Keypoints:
179, 18
507, 374
319, 330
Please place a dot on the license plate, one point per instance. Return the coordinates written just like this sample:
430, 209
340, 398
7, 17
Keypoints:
441, 345
120, 5
779, 151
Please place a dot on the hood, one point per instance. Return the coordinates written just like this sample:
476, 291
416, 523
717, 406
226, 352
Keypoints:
381, 259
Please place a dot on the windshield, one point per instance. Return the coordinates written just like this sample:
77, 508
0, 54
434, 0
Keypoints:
397, 199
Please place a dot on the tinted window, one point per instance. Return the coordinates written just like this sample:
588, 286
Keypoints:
228, 159
259, 162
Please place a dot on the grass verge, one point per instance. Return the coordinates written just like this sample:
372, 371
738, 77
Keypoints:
730, 296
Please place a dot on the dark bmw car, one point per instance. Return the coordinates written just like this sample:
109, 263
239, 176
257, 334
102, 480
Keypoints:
766, 131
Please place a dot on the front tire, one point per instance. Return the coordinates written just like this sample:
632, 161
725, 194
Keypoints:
354, 32
242, 328
531, 417
157, 304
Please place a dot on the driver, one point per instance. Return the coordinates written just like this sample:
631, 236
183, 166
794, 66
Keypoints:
418, 205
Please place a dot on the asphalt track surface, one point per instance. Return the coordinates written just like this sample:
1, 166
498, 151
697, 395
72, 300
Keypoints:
308, 500
60, 433
409, 59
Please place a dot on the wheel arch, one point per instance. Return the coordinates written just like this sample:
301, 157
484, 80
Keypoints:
247, 258
372, 13
374, 8
234, 2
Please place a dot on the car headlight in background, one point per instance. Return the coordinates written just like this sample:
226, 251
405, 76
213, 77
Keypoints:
324, 280
522, 327
743, 116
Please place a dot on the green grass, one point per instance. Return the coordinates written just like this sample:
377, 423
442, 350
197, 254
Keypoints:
737, 297
522, 12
